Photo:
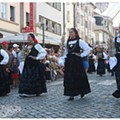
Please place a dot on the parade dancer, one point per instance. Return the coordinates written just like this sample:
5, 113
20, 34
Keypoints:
32, 80
116, 68
101, 57
75, 78
4, 83
92, 59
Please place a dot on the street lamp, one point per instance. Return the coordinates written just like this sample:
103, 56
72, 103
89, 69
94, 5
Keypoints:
39, 25
74, 14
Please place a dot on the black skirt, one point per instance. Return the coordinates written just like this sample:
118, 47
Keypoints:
91, 66
32, 80
101, 67
75, 78
4, 81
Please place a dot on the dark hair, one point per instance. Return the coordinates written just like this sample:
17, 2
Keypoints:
10, 47
32, 35
76, 32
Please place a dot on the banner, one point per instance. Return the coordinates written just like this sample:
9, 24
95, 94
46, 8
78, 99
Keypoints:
32, 16
30, 28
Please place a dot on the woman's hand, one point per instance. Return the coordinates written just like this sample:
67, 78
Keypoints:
7, 70
77, 54
34, 58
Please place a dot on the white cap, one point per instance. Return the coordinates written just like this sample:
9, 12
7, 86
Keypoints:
15, 45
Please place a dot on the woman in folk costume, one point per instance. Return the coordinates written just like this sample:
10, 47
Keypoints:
101, 57
92, 59
32, 80
4, 82
75, 78
115, 65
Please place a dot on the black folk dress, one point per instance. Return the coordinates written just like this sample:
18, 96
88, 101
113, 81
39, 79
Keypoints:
101, 64
4, 81
91, 64
75, 78
32, 80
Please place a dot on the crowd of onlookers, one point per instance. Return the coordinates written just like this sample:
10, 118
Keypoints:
53, 69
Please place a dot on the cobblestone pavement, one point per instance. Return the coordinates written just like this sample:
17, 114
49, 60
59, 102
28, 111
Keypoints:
99, 103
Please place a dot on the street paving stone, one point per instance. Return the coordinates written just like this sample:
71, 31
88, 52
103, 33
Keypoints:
98, 104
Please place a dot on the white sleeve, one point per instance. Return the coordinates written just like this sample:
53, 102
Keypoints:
14, 54
85, 47
66, 51
94, 57
105, 55
41, 52
5, 57
112, 62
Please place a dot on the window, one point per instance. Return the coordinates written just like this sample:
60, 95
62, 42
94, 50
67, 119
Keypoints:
81, 20
12, 13
81, 6
78, 4
58, 29
1, 35
86, 24
59, 6
41, 19
53, 27
50, 25
56, 5
47, 24
68, 16
86, 9
68, 3
4, 10
27, 19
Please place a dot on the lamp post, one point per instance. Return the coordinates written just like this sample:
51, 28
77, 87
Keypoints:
39, 25
43, 30
74, 14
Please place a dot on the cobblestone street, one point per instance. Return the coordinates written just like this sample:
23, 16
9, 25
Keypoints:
99, 103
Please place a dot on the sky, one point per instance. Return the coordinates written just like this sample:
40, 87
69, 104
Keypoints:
112, 9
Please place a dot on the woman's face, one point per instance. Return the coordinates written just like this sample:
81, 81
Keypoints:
30, 39
72, 34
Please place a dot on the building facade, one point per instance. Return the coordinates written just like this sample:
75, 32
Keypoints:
85, 21
13, 17
104, 31
9, 19
51, 15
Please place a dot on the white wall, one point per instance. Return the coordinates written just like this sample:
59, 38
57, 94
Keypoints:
51, 13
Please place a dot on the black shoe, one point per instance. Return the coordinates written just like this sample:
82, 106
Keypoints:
71, 98
101, 75
82, 95
37, 94
116, 94
112, 74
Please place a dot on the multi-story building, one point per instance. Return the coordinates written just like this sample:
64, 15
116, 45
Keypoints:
9, 19
13, 17
104, 31
51, 15
69, 18
85, 21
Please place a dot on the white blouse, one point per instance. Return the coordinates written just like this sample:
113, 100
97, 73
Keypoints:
41, 52
5, 57
83, 45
